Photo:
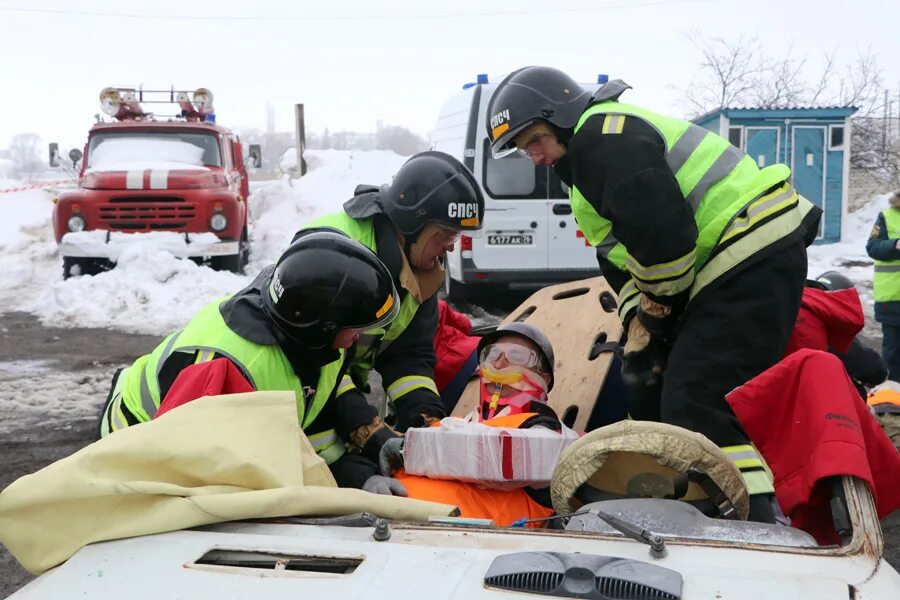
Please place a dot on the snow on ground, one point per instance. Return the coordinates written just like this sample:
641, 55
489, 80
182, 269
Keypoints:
151, 291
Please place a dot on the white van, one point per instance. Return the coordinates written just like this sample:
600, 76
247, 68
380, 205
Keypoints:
530, 238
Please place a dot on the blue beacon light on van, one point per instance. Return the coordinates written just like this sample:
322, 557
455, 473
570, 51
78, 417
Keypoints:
480, 78
602, 78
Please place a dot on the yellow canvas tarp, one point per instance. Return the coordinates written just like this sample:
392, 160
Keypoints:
216, 459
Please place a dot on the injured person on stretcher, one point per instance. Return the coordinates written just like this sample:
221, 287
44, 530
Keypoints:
497, 463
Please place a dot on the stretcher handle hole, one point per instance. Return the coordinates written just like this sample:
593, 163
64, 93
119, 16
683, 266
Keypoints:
598, 347
570, 416
525, 314
608, 302
571, 293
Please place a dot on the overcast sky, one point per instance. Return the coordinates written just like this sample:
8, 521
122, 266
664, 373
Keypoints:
352, 62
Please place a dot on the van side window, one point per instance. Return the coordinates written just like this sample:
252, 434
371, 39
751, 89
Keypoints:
510, 177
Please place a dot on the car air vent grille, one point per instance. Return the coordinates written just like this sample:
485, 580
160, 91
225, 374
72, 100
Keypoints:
252, 559
618, 589
526, 582
572, 575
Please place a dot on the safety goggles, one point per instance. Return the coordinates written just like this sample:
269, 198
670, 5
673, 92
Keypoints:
515, 354
533, 143
448, 236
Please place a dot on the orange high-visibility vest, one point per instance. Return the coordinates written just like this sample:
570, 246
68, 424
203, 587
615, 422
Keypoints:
501, 506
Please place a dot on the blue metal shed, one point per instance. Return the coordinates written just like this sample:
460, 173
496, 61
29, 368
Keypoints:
813, 142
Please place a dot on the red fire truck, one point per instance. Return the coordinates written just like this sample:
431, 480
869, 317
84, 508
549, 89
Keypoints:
142, 174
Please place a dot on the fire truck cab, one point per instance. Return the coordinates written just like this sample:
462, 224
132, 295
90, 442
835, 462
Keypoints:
180, 179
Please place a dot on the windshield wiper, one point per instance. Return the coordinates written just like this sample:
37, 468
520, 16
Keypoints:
656, 543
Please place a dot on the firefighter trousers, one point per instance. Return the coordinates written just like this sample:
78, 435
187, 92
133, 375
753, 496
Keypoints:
731, 332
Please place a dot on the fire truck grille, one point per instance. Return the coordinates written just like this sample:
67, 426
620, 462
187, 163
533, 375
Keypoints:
147, 213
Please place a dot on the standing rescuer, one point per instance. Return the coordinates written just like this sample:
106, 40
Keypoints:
291, 329
707, 250
409, 224
884, 247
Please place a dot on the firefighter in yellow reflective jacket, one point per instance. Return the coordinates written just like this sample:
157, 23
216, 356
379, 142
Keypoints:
409, 224
707, 250
291, 329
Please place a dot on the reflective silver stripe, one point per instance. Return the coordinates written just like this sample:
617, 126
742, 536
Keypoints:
146, 399
887, 268
751, 453
756, 208
613, 123
629, 297
684, 146
741, 249
346, 385
147, 402
607, 244
404, 385
167, 351
664, 270
720, 169
670, 287
323, 439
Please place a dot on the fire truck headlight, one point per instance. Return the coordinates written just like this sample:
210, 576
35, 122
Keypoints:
218, 222
75, 223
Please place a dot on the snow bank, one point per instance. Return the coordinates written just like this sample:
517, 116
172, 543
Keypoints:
150, 291
279, 210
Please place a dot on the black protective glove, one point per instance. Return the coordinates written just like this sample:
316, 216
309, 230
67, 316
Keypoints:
644, 358
387, 486
390, 457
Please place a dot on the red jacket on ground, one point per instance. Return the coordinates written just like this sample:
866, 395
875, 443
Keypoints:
805, 417
826, 319
452, 344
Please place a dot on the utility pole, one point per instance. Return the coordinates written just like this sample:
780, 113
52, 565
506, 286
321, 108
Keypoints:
884, 129
301, 138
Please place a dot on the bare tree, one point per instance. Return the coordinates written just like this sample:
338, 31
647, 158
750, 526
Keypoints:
25, 152
738, 72
818, 92
729, 72
780, 83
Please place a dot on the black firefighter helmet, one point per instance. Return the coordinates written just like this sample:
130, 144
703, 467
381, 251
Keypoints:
830, 281
528, 95
528, 332
325, 282
433, 187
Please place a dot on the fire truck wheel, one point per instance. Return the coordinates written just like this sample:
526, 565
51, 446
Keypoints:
236, 262
73, 267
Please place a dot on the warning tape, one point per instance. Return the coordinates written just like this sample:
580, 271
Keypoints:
36, 186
